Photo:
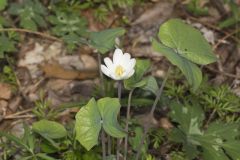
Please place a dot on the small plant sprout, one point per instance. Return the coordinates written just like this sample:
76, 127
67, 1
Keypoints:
121, 67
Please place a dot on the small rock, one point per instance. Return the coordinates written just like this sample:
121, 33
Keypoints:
14, 103
6, 91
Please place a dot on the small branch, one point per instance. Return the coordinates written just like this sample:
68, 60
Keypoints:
127, 121
158, 96
223, 73
119, 97
210, 117
224, 38
103, 139
31, 32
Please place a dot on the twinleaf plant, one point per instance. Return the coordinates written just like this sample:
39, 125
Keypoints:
96, 116
185, 47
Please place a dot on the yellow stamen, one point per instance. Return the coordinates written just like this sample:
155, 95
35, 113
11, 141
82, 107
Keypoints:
119, 71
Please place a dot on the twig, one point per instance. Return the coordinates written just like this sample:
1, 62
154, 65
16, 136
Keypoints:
215, 28
119, 97
223, 73
210, 117
31, 32
146, 129
225, 37
20, 116
103, 145
16, 114
127, 121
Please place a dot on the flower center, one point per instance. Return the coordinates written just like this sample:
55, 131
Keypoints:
119, 70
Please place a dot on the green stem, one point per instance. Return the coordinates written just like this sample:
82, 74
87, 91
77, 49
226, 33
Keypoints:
119, 97
127, 121
158, 96
103, 145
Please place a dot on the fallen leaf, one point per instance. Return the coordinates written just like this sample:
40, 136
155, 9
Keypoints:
57, 71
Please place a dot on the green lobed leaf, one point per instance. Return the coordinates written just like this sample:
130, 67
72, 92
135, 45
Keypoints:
227, 131
104, 40
189, 117
189, 69
187, 41
30, 12
233, 149
137, 80
109, 109
49, 129
3, 4
88, 124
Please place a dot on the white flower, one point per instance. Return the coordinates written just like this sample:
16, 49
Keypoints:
122, 66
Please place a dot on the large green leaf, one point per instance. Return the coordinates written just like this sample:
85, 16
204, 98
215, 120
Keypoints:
104, 40
189, 69
109, 109
3, 4
49, 129
187, 41
88, 124
137, 79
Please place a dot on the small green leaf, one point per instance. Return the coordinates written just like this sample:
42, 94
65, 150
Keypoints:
15, 139
44, 156
186, 41
3, 4
109, 109
104, 40
49, 129
189, 69
88, 124
151, 85
137, 80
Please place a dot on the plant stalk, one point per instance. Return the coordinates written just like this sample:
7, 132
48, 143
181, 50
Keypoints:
103, 145
119, 97
128, 116
158, 96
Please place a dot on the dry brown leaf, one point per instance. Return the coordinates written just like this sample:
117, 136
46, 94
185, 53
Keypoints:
160, 12
57, 71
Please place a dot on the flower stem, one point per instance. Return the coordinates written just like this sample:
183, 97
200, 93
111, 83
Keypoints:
101, 75
127, 121
103, 145
146, 129
109, 145
119, 97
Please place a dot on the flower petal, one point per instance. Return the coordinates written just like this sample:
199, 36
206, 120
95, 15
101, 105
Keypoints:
131, 73
131, 63
117, 56
108, 62
105, 70
125, 59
